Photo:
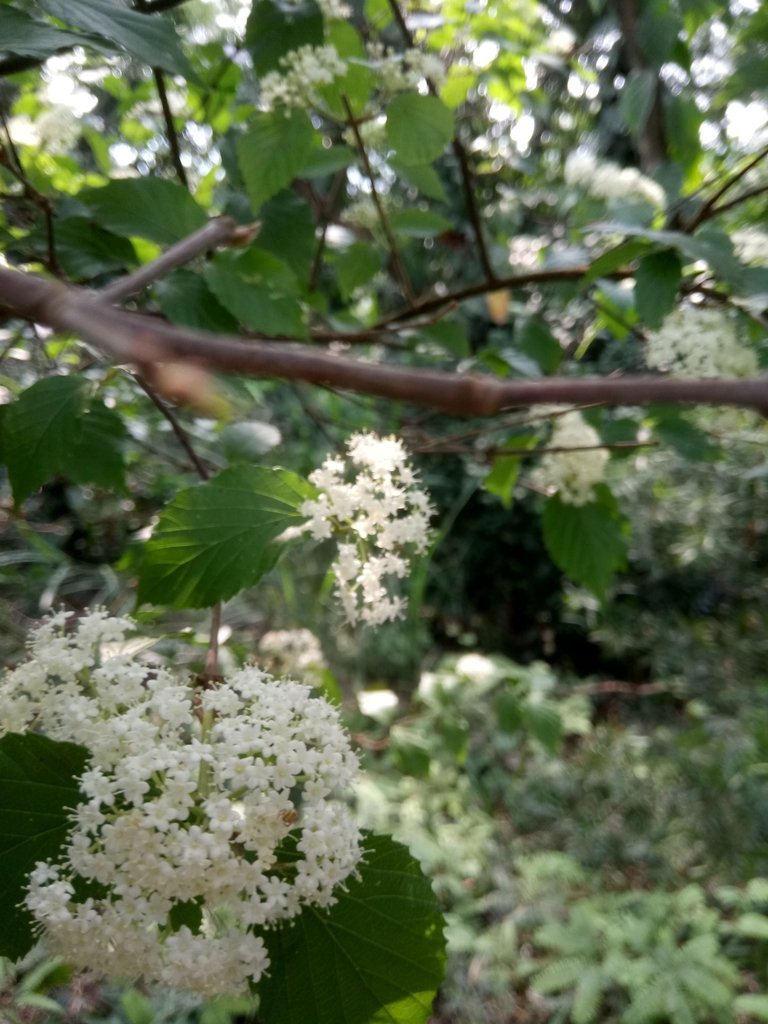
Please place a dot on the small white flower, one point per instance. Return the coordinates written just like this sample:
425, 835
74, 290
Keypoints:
379, 516
572, 474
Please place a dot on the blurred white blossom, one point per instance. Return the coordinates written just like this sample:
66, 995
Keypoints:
751, 245
190, 797
607, 180
303, 72
571, 474
372, 505
697, 341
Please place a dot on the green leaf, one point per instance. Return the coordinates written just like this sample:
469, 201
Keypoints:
588, 996
418, 223
41, 430
614, 258
97, 455
272, 152
418, 127
544, 724
752, 1005
586, 541
288, 232
636, 98
151, 38
321, 161
37, 791
656, 284
259, 290
356, 84
275, 27
376, 957
502, 478
356, 266
537, 341
85, 250
152, 208
676, 430
424, 177
26, 37
753, 926
509, 713
186, 299
217, 538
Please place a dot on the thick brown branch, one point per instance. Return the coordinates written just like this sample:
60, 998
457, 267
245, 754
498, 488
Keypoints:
651, 142
142, 341
219, 231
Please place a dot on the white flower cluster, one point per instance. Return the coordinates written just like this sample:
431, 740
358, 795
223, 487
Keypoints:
572, 474
609, 181
751, 245
208, 814
379, 517
697, 341
401, 71
304, 71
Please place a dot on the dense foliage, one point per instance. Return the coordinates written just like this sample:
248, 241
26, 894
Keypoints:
413, 351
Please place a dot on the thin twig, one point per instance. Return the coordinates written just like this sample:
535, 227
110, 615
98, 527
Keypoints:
460, 153
431, 303
325, 219
212, 655
397, 267
170, 128
219, 231
488, 453
750, 193
180, 433
43, 203
710, 209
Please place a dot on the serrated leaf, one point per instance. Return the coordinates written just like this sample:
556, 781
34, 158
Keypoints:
418, 223
288, 232
151, 38
587, 996
636, 98
614, 258
186, 299
26, 37
656, 284
418, 127
85, 250
586, 541
376, 957
272, 152
560, 975
356, 266
152, 208
424, 177
753, 926
97, 455
40, 431
544, 724
752, 1005
217, 538
275, 27
674, 429
537, 341
509, 713
259, 290
37, 791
